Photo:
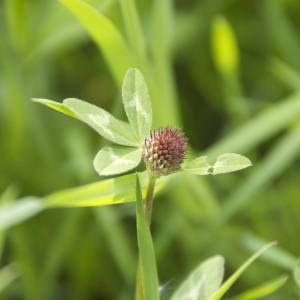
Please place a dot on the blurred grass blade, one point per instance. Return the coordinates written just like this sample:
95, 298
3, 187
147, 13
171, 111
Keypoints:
282, 155
13, 104
285, 73
8, 274
137, 103
106, 192
276, 256
16, 212
224, 46
297, 273
164, 86
281, 32
259, 128
202, 282
15, 13
117, 237
8, 195
225, 54
230, 281
101, 121
55, 255
116, 159
230, 162
106, 35
190, 187
146, 251
262, 290
56, 105
134, 32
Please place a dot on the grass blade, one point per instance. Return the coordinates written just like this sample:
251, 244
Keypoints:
16, 212
230, 281
106, 192
146, 251
226, 58
106, 35
263, 290
297, 273
259, 128
8, 274
110, 222
134, 32
278, 256
268, 169
224, 46
162, 28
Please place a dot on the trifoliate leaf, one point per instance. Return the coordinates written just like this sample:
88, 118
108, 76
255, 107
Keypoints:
102, 121
230, 162
116, 159
199, 166
137, 103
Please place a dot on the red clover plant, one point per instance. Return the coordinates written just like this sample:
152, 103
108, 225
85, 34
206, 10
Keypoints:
163, 150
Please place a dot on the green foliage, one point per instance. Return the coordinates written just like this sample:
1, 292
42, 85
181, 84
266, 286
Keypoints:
16, 212
297, 273
228, 283
198, 166
49, 49
106, 192
263, 290
137, 103
108, 38
225, 50
228, 162
117, 159
205, 282
57, 106
112, 160
202, 282
100, 120
7, 275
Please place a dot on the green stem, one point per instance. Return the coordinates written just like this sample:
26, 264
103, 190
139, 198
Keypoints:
148, 212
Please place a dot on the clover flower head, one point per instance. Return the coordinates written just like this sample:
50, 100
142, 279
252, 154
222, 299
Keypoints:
164, 151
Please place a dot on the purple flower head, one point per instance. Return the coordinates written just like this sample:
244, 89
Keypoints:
164, 151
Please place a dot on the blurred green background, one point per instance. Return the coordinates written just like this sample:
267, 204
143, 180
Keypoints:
227, 71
